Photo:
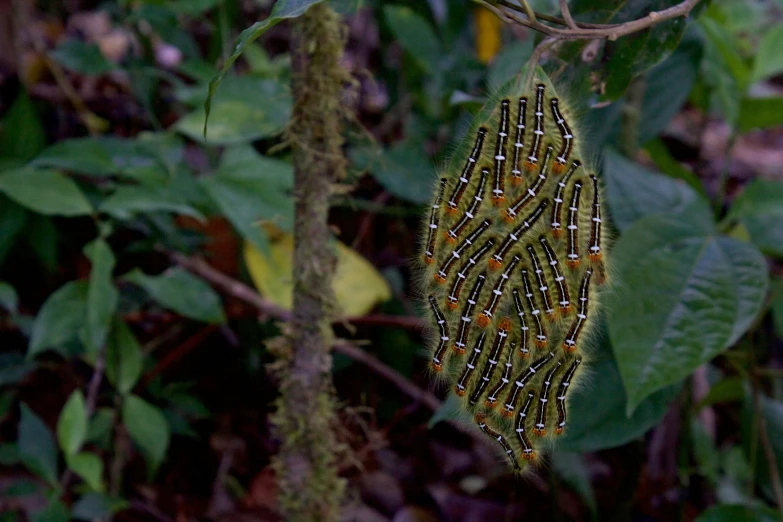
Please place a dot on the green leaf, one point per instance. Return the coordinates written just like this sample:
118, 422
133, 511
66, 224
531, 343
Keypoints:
44, 191
182, 292
404, 170
22, 134
72, 425
634, 191
89, 467
728, 513
248, 189
772, 410
769, 59
451, 409
83, 155
60, 317
760, 113
573, 469
102, 296
36, 446
96, 506
506, 64
124, 358
282, 10
248, 108
760, 208
663, 98
147, 427
597, 416
687, 295
82, 57
415, 35
8, 298
13, 369
55, 511
128, 201
13, 218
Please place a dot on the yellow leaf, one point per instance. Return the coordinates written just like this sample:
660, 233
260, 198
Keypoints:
487, 34
358, 286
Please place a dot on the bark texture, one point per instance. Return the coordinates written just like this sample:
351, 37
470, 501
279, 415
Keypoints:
310, 488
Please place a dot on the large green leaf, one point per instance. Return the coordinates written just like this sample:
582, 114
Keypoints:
89, 467
124, 358
72, 424
147, 427
102, 296
252, 108
282, 10
686, 294
597, 406
738, 513
415, 35
36, 446
634, 191
182, 292
769, 59
663, 98
760, 113
60, 317
249, 188
45, 191
128, 201
404, 170
22, 134
760, 208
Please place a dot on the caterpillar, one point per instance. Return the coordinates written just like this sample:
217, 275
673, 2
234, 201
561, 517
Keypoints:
513, 285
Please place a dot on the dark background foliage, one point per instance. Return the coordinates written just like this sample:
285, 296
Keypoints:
133, 383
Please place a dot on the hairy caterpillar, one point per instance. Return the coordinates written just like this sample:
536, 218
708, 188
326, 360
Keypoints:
513, 260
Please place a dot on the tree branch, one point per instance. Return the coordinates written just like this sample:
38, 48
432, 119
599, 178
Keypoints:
580, 31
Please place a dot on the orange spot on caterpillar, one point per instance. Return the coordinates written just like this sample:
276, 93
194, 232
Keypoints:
517, 180
541, 343
557, 233
505, 324
451, 305
451, 211
458, 350
436, 367
539, 432
507, 216
569, 349
498, 200
595, 257
459, 392
558, 168
494, 265
450, 239
483, 320
440, 279
429, 260
529, 456
573, 263
530, 166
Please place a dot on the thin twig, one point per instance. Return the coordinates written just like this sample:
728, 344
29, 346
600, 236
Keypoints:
567, 14
245, 293
534, 59
528, 11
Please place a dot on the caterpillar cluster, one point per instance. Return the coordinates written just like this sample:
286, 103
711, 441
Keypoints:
513, 258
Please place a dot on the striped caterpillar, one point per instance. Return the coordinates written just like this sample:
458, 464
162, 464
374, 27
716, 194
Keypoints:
513, 258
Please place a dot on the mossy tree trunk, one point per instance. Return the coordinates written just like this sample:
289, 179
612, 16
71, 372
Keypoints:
310, 488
